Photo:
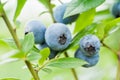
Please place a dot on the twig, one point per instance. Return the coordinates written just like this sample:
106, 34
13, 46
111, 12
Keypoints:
9, 26
72, 69
60, 1
50, 10
118, 55
15, 37
33, 72
118, 68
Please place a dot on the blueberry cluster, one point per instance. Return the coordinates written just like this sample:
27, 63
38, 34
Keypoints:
89, 50
58, 37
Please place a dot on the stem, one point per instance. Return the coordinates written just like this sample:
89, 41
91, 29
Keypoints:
60, 1
31, 69
50, 10
118, 69
118, 54
72, 69
9, 26
15, 37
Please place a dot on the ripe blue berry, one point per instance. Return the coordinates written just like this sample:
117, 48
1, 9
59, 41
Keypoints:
58, 36
116, 10
59, 12
90, 45
92, 60
38, 30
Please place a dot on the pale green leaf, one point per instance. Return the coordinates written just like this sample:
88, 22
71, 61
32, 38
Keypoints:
28, 42
66, 63
44, 54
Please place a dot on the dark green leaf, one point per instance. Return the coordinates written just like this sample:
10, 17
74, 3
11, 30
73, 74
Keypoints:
28, 42
84, 20
20, 5
44, 53
80, 6
66, 63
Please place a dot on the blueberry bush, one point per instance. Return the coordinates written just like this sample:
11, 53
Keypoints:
59, 40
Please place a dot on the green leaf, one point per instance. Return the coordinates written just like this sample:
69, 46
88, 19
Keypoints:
47, 70
44, 53
18, 55
45, 3
33, 56
4, 47
9, 79
20, 5
28, 42
84, 20
66, 63
100, 31
80, 6
109, 25
113, 40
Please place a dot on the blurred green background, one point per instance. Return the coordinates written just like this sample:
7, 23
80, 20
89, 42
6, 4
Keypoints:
104, 70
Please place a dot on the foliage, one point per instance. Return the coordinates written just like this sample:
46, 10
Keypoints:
107, 29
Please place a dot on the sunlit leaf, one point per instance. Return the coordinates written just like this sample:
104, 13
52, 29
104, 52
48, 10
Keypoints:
84, 20
20, 5
32, 56
45, 2
109, 25
4, 47
9, 79
28, 42
44, 54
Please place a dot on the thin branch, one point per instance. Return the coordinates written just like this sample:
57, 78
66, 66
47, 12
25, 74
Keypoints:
72, 69
51, 11
9, 26
17, 42
118, 55
60, 1
31, 69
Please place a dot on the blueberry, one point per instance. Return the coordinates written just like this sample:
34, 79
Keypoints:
59, 12
116, 10
92, 60
58, 36
52, 52
90, 45
38, 30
